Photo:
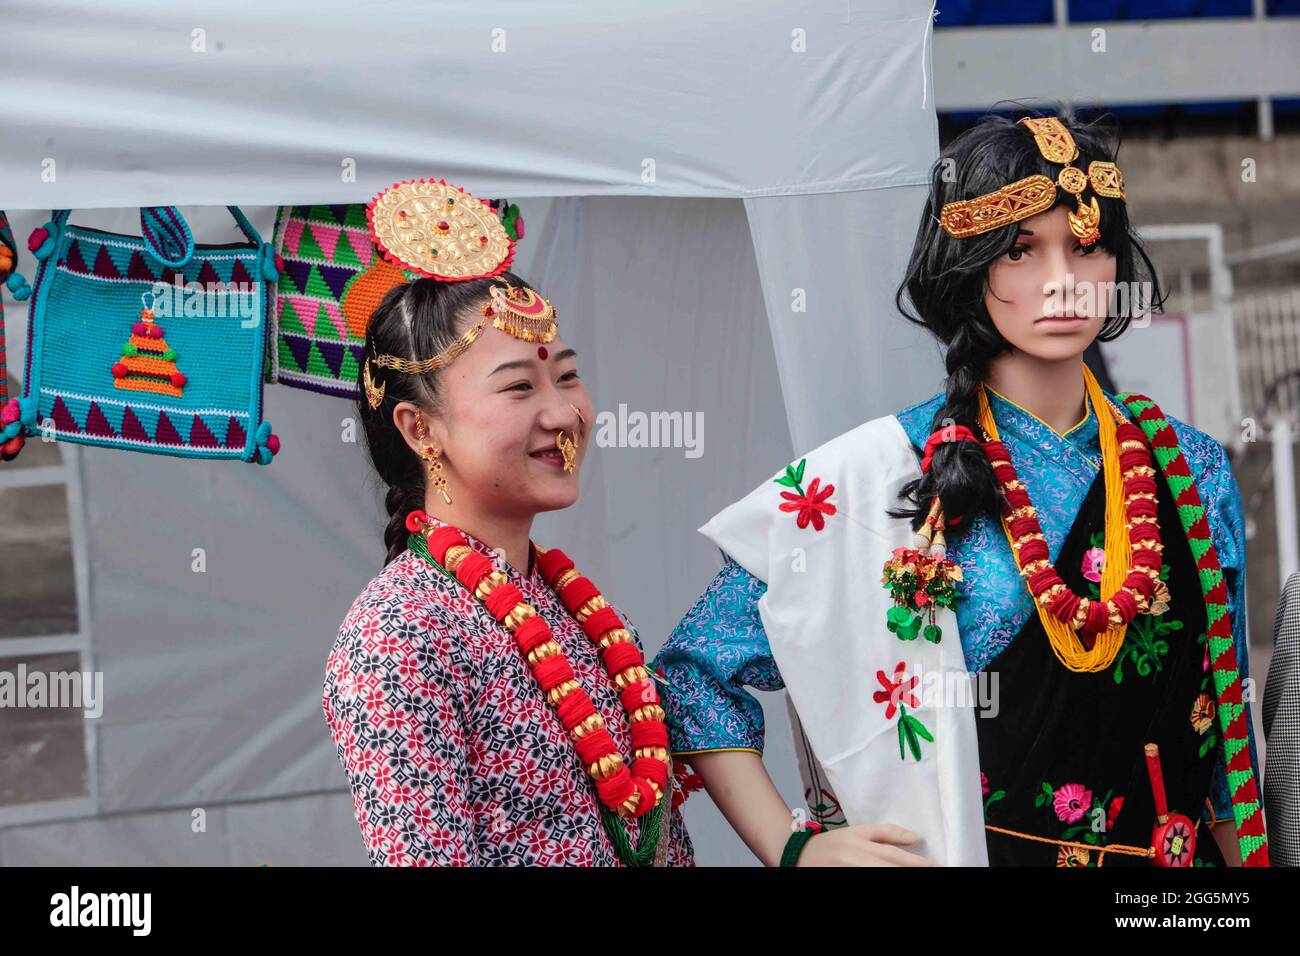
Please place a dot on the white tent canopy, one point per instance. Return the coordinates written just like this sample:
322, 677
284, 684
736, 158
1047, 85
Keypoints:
683, 171
262, 103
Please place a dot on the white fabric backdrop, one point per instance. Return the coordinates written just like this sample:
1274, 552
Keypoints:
850, 356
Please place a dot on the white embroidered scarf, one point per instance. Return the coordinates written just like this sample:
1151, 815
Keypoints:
824, 613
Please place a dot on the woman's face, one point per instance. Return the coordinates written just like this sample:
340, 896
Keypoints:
504, 402
1049, 295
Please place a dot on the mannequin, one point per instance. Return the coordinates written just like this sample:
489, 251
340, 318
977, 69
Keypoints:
1012, 272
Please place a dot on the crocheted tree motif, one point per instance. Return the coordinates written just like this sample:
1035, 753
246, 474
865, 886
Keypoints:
147, 363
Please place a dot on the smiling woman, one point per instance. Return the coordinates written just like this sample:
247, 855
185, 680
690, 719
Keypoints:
488, 705
490, 418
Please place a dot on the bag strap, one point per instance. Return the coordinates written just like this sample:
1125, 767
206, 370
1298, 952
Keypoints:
245, 226
170, 240
167, 235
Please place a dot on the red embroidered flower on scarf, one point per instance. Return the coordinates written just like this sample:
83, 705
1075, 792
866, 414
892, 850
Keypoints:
897, 696
896, 690
811, 505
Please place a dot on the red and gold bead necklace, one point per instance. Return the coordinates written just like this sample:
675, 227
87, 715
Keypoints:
625, 792
1134, 551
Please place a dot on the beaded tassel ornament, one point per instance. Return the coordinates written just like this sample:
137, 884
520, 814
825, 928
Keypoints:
921, 580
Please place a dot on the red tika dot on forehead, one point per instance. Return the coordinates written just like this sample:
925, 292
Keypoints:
541, 352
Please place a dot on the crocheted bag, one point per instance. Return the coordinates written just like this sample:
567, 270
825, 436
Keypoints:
150, 343
330, 283
11, 439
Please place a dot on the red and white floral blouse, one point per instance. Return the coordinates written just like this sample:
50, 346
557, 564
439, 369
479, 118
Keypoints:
453, 754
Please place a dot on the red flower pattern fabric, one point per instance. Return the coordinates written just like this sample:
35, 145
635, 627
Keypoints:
453, 754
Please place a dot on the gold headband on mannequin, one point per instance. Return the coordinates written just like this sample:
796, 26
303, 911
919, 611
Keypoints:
441, 232
1034, 194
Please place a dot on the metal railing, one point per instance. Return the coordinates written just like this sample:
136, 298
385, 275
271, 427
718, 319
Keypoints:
1268, 352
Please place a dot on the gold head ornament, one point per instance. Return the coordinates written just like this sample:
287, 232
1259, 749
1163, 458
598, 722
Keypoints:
374, 393
521, 312
439, 231
1035, 194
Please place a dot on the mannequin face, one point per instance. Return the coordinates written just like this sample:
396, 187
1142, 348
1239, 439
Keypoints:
502, 406
1035, 294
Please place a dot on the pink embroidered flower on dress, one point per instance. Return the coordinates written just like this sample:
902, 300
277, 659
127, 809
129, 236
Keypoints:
1071, 802
1094, 560
897, 696
984, 782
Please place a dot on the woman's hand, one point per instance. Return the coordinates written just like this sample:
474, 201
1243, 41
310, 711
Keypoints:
866, 844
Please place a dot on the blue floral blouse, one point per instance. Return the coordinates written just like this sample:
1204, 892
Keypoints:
719, 649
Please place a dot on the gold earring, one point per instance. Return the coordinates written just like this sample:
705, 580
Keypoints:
430, 455
374, 391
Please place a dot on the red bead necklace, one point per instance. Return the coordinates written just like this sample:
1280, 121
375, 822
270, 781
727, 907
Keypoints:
627, 792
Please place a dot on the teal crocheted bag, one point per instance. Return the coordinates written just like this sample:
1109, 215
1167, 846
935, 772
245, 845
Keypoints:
150, 343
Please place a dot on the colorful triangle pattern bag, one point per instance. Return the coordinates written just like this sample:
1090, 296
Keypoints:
150, 343
331, 281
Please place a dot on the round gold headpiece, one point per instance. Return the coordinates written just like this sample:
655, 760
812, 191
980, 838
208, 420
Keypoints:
439, 231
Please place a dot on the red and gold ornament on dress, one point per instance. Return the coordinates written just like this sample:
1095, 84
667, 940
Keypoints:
921, 579
1173, 836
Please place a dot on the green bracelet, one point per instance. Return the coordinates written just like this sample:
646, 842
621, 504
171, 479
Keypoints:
794, 846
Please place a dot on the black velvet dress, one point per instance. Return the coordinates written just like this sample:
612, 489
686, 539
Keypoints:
1063, 758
